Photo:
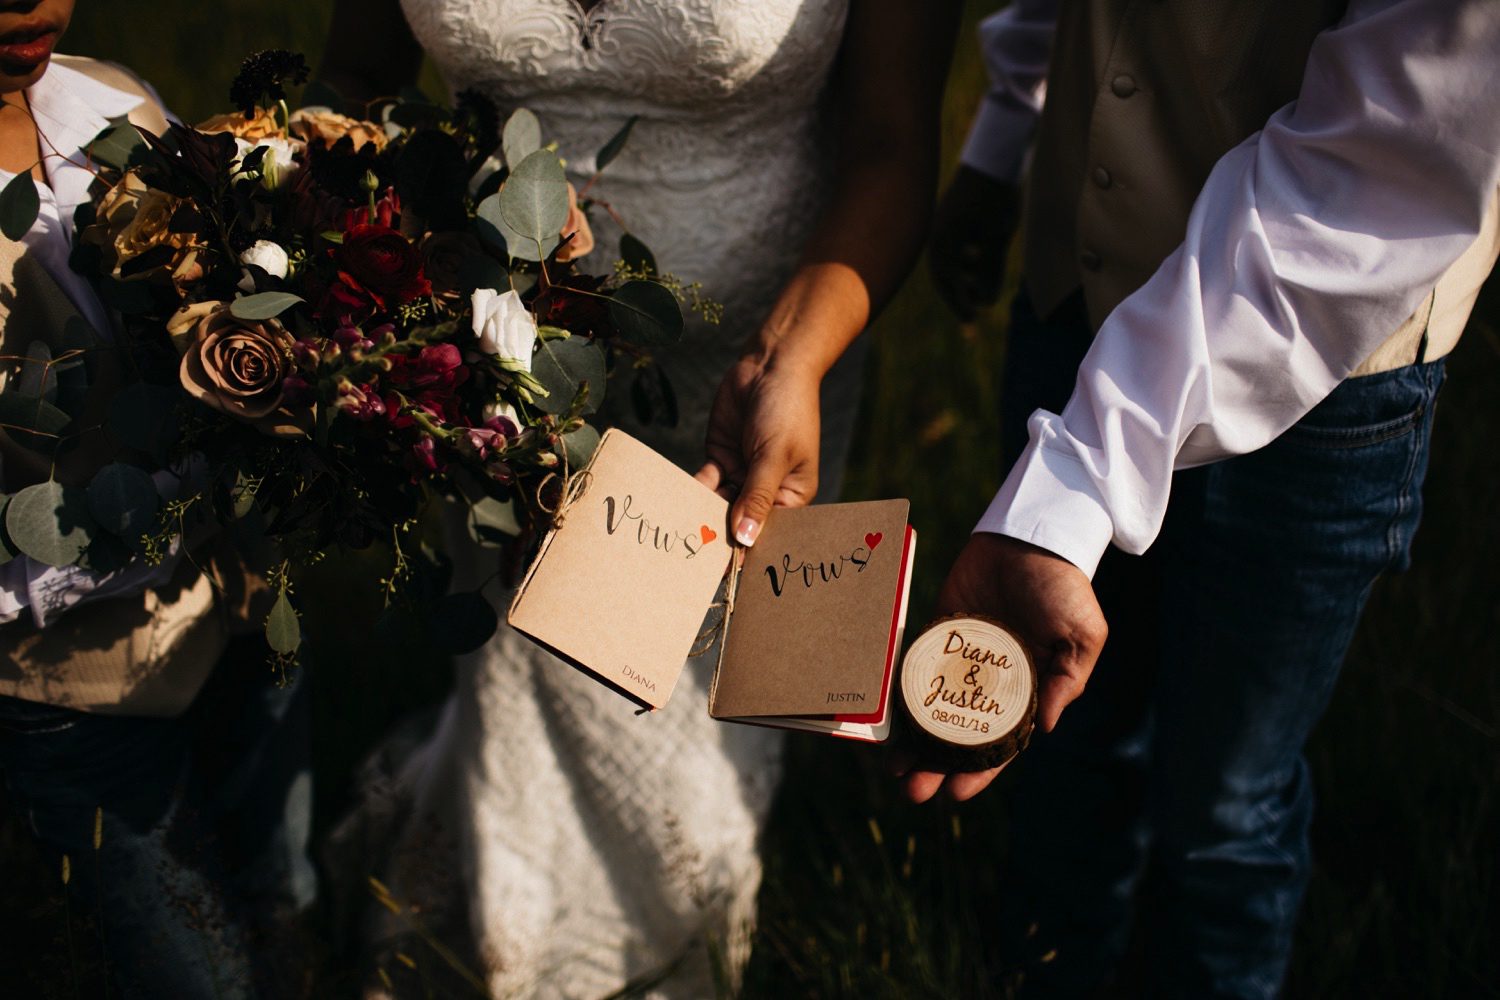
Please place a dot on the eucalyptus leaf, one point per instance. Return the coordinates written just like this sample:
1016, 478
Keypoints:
146, 418
562, 367
636, 255
50, 522
119, 146
461, 623
486, 180
242, 496
263, 305
580, 445
37, 377
124, 500
283, 628
8, 550
646, 313
490, 225
19, 205
522, 282
495, 231
20, 414
492, 522
611, 149
522, 137
534, 204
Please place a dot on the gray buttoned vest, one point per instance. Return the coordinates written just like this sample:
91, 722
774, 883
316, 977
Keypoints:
1143, 98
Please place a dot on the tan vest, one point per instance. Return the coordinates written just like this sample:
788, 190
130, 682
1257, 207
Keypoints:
143, 655
1143, 98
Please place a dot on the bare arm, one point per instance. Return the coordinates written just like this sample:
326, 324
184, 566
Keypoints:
371, 52
763, 433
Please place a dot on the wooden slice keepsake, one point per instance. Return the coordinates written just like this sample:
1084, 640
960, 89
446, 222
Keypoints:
968, 685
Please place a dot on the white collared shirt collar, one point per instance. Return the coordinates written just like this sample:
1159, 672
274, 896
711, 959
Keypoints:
71, 109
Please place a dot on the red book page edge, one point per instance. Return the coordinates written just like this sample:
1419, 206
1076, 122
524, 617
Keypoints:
890, 651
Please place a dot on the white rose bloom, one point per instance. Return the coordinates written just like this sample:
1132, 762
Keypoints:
268, 256
504, 327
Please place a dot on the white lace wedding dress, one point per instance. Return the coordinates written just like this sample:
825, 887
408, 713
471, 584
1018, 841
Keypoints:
590, 847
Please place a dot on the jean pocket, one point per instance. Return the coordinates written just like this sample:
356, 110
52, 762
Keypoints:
1333, 436
1370, 410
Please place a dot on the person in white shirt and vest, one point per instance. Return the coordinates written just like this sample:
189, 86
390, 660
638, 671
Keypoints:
137, 740
1249, 229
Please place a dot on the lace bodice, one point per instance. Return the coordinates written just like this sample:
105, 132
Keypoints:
724, 173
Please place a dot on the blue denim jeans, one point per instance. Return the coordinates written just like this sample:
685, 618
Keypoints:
201, 855
1174, 796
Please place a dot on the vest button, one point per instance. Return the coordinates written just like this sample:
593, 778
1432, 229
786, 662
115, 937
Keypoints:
1123, 85
1090, 260
1102, 177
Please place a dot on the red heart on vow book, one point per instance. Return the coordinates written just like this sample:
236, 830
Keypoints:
873, 539
708, 533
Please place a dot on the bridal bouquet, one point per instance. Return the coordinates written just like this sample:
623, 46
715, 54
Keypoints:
328, 321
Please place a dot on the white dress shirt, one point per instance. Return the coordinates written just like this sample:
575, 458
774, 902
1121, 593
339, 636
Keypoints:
1310, 243
70, 109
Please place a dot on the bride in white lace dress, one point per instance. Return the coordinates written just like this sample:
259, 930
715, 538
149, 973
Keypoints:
784, 157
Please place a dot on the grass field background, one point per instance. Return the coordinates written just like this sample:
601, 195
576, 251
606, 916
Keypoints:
867, 896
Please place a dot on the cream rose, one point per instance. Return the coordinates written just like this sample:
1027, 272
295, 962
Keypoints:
254, 129
132, 219
328, 127
504, 326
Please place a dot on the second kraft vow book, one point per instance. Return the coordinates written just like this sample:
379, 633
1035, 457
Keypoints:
808, 622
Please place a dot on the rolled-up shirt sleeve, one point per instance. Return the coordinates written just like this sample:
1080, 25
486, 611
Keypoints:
1017, 45
1310, 243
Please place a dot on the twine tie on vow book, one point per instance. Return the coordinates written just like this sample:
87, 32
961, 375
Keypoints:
574, 487
715, 629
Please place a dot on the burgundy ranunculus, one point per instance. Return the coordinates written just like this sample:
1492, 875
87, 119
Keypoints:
378, 269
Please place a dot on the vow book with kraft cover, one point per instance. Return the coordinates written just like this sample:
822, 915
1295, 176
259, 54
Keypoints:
808, 622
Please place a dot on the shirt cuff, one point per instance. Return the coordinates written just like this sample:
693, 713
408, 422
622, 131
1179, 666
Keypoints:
1050, 500
998, 139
